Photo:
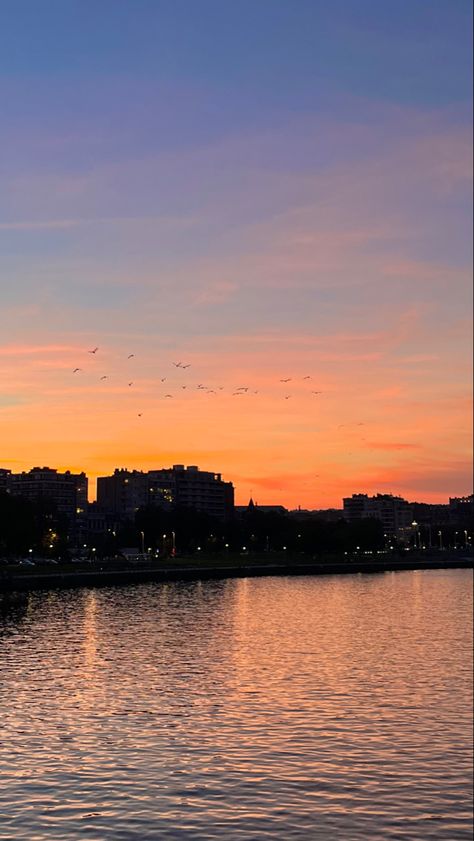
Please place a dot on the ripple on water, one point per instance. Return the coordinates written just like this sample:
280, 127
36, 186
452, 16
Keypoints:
323, 708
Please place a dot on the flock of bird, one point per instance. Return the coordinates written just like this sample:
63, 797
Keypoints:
239, 391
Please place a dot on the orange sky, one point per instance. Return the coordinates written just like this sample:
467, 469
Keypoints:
379, 424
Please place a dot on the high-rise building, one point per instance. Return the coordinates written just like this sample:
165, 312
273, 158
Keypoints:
461, 510
5, 476
190, 487
394, 512
126, 491
67, 491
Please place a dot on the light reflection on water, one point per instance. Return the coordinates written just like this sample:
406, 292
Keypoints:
286, 708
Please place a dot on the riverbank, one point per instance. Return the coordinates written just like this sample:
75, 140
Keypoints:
209, 568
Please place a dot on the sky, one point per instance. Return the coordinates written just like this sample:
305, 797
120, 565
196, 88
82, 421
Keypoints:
262, 191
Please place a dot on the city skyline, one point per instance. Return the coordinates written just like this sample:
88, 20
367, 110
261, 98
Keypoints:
265, 193
91, 489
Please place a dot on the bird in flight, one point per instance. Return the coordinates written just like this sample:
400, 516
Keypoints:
130, 355
287, 397
288, 380
168, 395
76, 370
177, 364
104, 377
243, 388
307, 377
316, 392
163, 380
130, 384
140, 414
93, 351
188, 365
183, 386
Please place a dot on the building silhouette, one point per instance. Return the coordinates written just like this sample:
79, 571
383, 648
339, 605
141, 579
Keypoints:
66, 492
126, 491
394, 512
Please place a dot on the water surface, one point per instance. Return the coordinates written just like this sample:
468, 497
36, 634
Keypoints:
271, 708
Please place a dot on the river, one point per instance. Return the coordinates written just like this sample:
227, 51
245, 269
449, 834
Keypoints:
328, 707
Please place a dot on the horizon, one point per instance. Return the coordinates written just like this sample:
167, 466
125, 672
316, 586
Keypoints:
92, 488
202, 199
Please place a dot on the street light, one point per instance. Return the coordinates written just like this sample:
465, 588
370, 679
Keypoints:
142, 542
440, 535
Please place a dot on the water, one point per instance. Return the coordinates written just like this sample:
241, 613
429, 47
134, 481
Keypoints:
272, 708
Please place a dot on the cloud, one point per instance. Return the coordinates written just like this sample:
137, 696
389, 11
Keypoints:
216, 292
390, 445
32, 350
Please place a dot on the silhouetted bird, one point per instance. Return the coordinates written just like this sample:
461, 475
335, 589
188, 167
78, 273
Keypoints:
93, 351
76, 370
130, 384
130, 355
288, 380
104, 377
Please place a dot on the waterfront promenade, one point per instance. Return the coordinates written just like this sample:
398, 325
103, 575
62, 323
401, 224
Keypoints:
105, 573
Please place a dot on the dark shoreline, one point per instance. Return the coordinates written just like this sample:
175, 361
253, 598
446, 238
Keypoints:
101, 578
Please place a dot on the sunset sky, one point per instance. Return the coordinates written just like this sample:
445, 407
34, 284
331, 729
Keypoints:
261, 189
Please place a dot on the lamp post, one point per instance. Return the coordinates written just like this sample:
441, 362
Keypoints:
465, 538
142, 542
440, 535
